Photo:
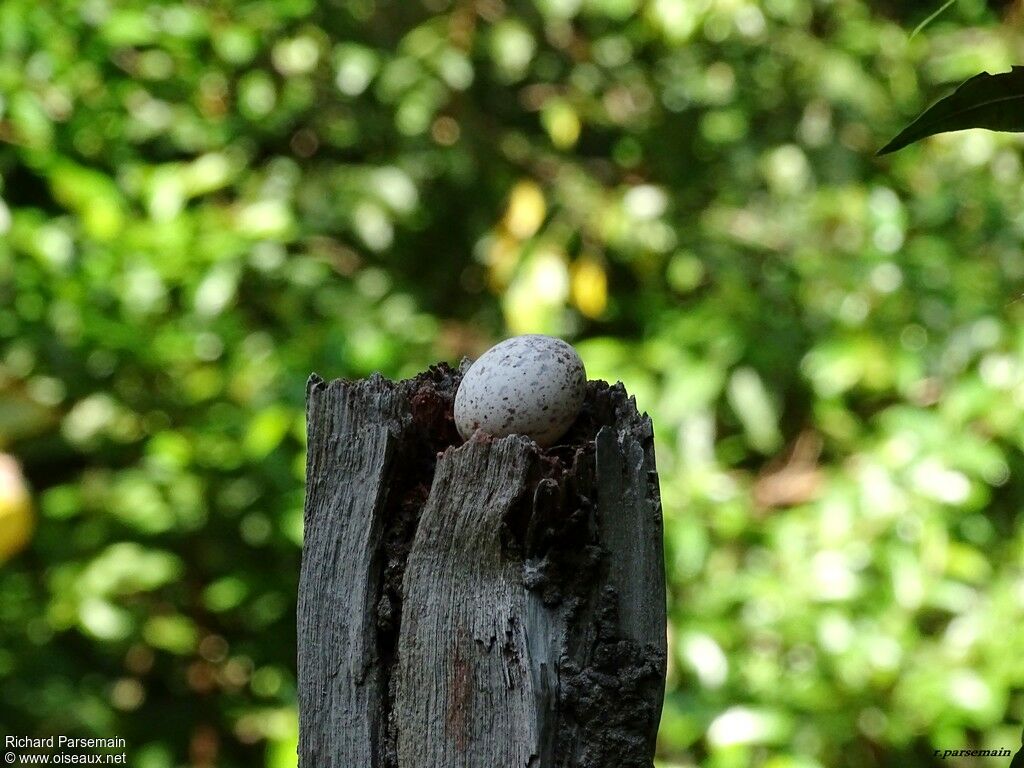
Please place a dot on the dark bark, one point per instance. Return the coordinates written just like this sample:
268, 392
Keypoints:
477, 605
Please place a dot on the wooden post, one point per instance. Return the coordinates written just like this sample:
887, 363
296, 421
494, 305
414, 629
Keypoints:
483, 604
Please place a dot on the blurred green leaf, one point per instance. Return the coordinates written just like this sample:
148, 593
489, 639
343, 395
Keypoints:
176, 634
266, 431
201, 205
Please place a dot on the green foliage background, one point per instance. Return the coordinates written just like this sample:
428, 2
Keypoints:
203, 202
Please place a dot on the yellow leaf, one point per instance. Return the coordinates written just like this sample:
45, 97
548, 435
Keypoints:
589, 286
526, 210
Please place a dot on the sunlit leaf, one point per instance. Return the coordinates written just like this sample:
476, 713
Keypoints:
589, 286
526, 209
176, 634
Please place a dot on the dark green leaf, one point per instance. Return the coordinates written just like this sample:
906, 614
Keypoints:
988, 101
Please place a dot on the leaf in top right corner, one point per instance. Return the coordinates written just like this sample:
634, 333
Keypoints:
988, 101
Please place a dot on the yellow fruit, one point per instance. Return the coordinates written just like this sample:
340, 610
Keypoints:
15, 508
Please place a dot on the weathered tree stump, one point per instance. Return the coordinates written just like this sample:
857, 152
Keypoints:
485, 604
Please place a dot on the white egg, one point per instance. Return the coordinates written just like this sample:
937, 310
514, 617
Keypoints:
527, 385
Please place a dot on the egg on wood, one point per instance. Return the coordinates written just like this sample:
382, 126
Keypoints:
529, 385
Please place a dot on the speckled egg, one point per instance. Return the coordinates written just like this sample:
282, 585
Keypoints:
527, 385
